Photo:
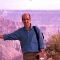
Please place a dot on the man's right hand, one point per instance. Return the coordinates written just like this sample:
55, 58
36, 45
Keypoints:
1, 36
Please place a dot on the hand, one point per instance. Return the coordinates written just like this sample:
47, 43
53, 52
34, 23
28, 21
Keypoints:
1, 36
41, 55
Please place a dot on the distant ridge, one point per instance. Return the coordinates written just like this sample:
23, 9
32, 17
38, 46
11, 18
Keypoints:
45, 17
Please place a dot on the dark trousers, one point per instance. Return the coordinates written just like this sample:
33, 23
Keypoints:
30, 56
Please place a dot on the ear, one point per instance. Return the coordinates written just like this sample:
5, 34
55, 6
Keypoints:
30, 19
22, 21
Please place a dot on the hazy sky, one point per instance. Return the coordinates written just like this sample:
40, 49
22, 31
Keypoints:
30, 4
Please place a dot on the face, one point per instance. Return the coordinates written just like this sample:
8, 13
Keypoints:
26, 20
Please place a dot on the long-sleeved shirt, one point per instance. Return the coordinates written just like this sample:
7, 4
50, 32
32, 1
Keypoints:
27, 39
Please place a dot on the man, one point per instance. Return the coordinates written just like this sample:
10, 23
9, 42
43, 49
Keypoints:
27, 37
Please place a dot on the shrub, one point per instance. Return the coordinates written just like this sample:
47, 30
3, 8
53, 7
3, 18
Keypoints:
53, 47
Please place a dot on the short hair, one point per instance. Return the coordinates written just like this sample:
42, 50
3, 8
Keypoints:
25, 14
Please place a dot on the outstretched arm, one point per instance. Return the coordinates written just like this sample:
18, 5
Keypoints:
12, 36
1, 36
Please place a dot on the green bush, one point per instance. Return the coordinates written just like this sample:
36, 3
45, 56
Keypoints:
53, 47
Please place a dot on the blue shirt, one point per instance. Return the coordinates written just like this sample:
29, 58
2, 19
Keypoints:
27, 39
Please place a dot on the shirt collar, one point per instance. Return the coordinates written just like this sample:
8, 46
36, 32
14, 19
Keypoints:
30, 27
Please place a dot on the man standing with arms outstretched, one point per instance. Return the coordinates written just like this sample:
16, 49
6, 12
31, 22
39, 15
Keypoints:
27, 37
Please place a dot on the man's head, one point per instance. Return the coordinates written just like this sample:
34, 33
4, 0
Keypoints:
26, 19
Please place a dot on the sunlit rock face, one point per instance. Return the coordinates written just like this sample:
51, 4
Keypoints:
9, 50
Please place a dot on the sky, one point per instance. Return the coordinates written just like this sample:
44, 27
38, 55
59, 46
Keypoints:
29, 4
